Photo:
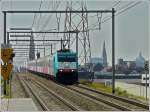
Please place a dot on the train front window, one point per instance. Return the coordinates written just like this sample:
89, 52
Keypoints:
66, 59
67, 62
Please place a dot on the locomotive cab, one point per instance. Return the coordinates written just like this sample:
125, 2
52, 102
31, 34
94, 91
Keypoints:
66, 67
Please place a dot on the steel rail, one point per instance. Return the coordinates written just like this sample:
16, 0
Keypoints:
72, 106
116, 97
42, 104
120, 107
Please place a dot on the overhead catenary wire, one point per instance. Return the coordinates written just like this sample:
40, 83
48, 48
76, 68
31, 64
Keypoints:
43, 35
106, 17
49, 4
99, 17
36, 15
117, 14
55, 7
116, 3
110, 18
126, 5
58, 17
38, 23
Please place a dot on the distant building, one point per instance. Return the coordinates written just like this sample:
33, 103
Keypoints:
122, 66
99, 63
140, 61
131, 64
127, 67
120, 61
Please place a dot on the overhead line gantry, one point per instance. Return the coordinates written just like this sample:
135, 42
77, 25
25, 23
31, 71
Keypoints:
77, 11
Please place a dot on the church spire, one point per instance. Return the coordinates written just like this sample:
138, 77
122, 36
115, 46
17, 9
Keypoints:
140, 54
104, 55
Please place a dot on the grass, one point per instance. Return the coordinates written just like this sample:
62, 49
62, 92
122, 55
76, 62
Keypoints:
108, 89
124, 93
7, 89
97, 86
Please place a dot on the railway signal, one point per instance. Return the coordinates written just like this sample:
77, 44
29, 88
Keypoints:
146, 71
6, 54
146, 67
7, 58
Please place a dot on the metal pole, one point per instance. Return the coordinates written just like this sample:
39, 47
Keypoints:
35, 40
7, 37
77, 50
44, 51
69, 29
5, 44
42, 32
113, 50
4, 87
61, 11
61, 44
4, 27
51, 50
146, 86
8, 79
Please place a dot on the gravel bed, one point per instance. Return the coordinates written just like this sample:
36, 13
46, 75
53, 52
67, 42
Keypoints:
130, 106
17, 90
80, 100
51, 102
29, 93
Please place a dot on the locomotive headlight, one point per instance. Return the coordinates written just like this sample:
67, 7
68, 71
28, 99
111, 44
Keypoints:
60, 70
72, 70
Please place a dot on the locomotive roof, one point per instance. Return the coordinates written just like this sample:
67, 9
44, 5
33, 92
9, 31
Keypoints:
64, 50
59, 51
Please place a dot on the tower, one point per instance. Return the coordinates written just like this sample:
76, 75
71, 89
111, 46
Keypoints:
104, 56
81, 24
140, 61
32, 48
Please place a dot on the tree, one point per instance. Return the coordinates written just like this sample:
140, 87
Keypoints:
98, 67
126, 71
140, 70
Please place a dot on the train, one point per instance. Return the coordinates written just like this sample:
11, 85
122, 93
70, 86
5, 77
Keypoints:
60, 67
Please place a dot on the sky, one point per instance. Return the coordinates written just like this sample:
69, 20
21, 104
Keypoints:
131, 26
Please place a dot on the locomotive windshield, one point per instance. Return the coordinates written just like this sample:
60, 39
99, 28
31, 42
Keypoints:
67, 61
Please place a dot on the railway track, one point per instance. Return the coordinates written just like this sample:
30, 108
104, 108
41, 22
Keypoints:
112, 100
100, 99
30, 86
130, 103
66, 102
117, 102
31, 94
23, 86
82, 101
92, 95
